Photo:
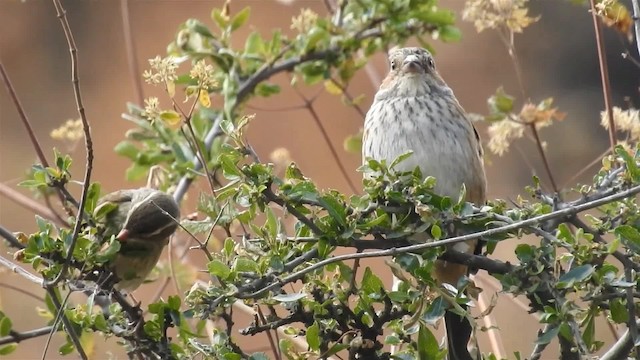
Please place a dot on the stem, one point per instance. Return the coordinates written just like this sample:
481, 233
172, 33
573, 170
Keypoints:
604, 74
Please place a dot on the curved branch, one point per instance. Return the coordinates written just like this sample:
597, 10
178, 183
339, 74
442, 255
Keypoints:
565, 212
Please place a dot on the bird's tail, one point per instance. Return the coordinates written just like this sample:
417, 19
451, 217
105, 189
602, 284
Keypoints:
459, 332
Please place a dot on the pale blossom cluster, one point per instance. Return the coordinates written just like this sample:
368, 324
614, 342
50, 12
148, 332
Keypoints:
151, 108
71, 131
204, 73
493, 14
163, 71
502, 133
305, 21
625, 120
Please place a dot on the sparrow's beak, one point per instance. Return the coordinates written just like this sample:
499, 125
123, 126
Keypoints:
411, 65
123, 235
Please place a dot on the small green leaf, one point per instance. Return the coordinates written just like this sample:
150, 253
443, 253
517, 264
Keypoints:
500, 103
427, 344
335, 209
630, 237
371, 283
219, 269
127, 149
8, 349
547, 336
66, 349
5, 326
313, 337
174, 302
241, 17
618, 311
577, 274
289, 297
632, 167
400, 159
436, 232
435, 311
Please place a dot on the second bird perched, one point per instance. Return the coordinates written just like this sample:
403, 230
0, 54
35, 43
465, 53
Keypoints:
142, 220
414, 110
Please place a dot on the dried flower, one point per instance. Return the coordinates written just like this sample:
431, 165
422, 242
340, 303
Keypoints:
70, 131
163, 70
204, 74
493, 14
625, 120
305, 21
502, 133
151, 108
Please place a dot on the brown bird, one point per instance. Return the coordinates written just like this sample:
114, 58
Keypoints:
414, 110
142, 220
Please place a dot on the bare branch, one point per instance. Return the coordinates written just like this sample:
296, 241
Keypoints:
61, 13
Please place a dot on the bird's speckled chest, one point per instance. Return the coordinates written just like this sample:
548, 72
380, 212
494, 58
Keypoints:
433, 128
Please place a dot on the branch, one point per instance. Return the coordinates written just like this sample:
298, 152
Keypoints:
566, 212
604, 74
61, 13
16, 337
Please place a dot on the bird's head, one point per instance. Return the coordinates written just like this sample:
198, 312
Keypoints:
412, 72
152, 216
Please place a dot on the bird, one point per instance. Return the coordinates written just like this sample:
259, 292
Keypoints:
415, 110
142, 220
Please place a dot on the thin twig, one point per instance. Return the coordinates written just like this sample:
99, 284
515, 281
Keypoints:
16, 337
631, 308
32, 135
60, 308
636, 22
61, 13
29, 204
604, 74
132, 57
22, 291
327, 139
568, 211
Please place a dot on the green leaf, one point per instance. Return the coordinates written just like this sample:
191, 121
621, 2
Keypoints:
5, 326
436, 232
577, 274
241, 17
66, 349
632, 167
93, 195
427, 344
618, 311
289, 297
450, 33
400, 159
127, 149
547, 336
629, 236
435, 311
313, 337
219, 269
243, 264
8, 349
353, 143
500, 103
174, 302
371, 283
335, 209
220, 19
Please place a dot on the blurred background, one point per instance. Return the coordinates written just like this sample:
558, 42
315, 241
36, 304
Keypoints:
558, 57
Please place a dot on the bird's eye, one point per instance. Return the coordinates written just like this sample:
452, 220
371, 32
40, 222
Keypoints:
431, 63
393, 64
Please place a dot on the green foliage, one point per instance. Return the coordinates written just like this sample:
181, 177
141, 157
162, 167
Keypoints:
293, 232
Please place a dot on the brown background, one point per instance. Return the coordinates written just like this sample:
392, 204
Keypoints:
558, 55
